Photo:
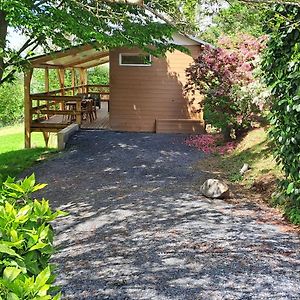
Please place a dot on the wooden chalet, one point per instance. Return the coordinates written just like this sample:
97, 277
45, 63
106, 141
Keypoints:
145, 93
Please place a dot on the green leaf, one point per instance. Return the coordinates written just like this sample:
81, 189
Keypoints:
11, 273
9, 209
57, 296
28, 183
43, 290
12, 296
22, 214
42, 278
37, 246
42, 298
15, 187
6, 249
39, 187
290, 188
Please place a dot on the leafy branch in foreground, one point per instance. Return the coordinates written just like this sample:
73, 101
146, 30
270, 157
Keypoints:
26, 243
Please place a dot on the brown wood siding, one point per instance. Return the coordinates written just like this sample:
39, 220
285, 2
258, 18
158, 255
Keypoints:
141, 95
179, 126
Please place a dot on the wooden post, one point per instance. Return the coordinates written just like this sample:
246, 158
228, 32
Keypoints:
73, 81
46, 137
47, 80
83, 79
78, 110
27, 107
61, 79
47, 88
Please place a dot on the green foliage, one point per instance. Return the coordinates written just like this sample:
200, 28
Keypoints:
99, 75
12, 95
11, 103
26, 243
236, 19
106, 24
281, 66
223, 77
38, 80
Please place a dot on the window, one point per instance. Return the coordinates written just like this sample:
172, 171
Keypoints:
135, 59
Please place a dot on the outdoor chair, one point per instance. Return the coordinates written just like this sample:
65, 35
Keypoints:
88, 110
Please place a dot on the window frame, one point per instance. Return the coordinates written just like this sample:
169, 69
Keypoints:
134, 65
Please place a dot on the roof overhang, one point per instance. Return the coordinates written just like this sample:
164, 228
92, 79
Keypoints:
88, 56
84, 56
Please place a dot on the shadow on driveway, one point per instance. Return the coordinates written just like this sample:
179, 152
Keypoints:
139, 229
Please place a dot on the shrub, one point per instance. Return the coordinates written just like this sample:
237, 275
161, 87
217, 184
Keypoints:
222, 75
11, 103
99, 75
26, 243
210, 144
281, 67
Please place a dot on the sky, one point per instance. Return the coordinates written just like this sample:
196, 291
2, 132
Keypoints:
15, 39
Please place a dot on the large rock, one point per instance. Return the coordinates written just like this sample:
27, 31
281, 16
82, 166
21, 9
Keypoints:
214, 188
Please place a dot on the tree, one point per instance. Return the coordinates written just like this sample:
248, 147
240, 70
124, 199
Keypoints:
238, 18
53, 24
11, 103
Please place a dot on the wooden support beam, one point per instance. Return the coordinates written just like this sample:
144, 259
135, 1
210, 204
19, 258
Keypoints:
46, 137
59, 54
48, 129
55, 112
27, 107
95, 63
56, 98
78, 61
78, 116
47, 80
61, 79
47, 88
73, 75
40, 125
83, 79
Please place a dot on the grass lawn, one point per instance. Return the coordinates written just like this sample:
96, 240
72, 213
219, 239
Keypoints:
259, 183
253, 149
13, 157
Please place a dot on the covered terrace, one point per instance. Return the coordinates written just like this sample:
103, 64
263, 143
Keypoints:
54, 110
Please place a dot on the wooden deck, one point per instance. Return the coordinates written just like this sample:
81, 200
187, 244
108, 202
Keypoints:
102, 121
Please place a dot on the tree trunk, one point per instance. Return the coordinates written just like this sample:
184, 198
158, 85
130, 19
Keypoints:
226, 132
3, 36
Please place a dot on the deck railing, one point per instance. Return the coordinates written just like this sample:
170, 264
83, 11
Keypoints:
53, 103
45, 106
102, 89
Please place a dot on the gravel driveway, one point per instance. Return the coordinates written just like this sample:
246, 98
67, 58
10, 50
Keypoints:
139, 229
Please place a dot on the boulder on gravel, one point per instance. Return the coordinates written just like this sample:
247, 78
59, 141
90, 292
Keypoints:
215, 188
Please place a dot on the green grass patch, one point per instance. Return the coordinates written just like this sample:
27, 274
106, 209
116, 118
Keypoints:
261, 181
255, 150
14, 159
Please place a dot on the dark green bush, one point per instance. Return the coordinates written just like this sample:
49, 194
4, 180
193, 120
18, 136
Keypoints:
99, 75
11, 103
281, 66
26, 243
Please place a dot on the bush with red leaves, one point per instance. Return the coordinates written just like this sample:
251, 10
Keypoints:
221, 74
210, 144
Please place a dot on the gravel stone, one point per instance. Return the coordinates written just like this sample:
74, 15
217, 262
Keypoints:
139, 229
